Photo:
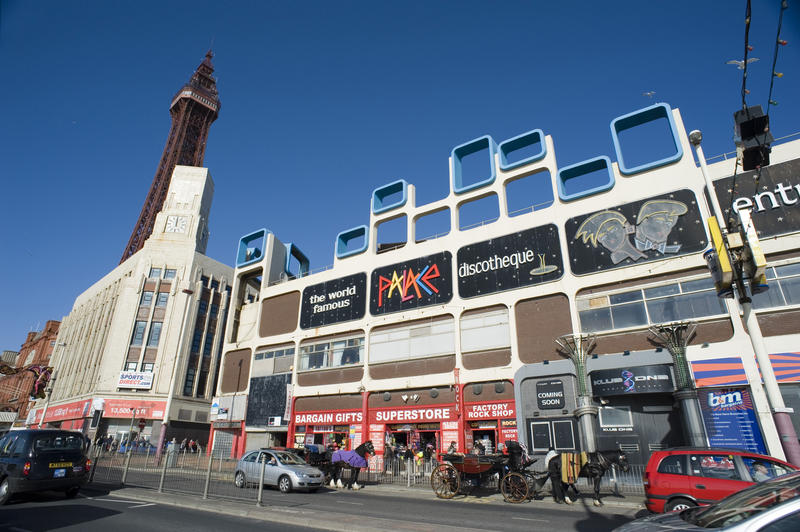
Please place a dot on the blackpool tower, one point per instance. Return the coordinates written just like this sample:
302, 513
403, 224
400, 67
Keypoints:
193, 109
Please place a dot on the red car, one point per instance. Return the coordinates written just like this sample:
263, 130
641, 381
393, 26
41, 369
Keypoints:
676, 479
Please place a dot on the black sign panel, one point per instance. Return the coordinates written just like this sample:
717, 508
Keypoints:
637, 379
412, 284
540, 434
334, 301
550, 394
773, 198
642, 231
512, 261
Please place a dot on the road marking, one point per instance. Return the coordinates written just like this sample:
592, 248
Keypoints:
114, 500
531, 519
143, 505
356, 503
15, 529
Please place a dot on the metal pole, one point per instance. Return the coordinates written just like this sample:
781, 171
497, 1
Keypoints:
127, 464
94, 468
780, 413
577, 347
163, 475
261, 478
208, 474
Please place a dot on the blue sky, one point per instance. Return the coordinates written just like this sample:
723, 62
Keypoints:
322, 102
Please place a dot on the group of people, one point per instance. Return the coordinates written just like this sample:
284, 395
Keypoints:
190, 446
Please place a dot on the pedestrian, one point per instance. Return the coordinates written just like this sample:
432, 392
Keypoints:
551, 461
183, 444
192, 446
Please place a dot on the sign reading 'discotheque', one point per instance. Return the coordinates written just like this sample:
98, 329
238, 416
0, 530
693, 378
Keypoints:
511, 261
412, 284
334, 301
641, 231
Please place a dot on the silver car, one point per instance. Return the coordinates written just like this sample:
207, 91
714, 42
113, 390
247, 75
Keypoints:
282, 468
772, 505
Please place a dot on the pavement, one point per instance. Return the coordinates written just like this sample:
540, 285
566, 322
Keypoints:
333, 521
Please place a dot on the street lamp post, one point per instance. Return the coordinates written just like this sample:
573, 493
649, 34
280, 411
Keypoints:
577, 347
780, 413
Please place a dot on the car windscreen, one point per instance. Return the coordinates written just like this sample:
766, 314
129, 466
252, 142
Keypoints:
63, 441
746, 503
289, 459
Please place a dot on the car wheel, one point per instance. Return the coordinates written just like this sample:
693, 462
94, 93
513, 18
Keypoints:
678, 504
285, 484
72, 492
5, 491
239, 480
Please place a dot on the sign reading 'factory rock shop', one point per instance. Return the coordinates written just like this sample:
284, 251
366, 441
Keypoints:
511, 261
641, 231
334, 301
412, 284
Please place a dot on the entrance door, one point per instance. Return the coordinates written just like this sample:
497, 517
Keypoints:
559, 433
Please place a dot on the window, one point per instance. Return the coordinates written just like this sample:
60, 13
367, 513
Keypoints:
761, 470
208, 345
197, 339
214, 311
334, 353
155, 334
204, 280
419, 339
162, 299
615, 416
250, 457
713, 466
265, 355
201, 384
188, 383
130, 366
147, 299
683, 300
485, 330
202, 307
674, 465
155, 273
784, 287
138, 333
215, 284
147, 367
169, 273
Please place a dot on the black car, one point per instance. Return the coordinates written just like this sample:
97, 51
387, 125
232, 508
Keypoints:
42, 459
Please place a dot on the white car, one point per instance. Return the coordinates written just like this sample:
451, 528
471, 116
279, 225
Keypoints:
283, 469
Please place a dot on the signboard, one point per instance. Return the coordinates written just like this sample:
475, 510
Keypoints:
328, 418
632, 380
140, 380
511, 261
413, 415
635, 233
772, 198
490, 410
334, 301
412, 284
730, 419
550, 394
125, 408
74, 410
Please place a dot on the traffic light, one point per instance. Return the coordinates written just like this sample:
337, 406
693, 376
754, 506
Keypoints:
754, 137
718, 260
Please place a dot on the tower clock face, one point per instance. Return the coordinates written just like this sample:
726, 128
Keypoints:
175, 224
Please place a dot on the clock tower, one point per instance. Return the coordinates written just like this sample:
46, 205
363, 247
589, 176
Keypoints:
184, 215
193, 109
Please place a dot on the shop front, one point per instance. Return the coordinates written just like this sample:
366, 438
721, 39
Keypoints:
341, 428
414, 428
126, 418
70, 416
490, 423
637, 412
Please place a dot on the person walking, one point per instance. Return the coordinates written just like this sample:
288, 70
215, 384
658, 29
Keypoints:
551, 461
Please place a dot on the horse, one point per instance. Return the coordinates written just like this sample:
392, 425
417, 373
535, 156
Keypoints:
352, 460
598, 463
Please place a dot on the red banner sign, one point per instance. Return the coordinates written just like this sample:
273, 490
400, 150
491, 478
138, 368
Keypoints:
126, 408
421, 414
493, 410
337, 417
75, 410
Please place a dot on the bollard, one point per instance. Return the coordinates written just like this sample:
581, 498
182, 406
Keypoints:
261, 478
163, 475
208, 475
127, 466
94, 466
408, 473
614, 480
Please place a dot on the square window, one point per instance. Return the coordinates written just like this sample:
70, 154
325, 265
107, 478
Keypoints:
155, 273
169, 273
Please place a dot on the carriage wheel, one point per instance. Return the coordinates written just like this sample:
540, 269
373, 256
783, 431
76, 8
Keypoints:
514, 488
445, 481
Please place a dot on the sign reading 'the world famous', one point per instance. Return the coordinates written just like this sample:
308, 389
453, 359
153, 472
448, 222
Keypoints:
511, 261
334, 301
642, 231
773, 199
412, 284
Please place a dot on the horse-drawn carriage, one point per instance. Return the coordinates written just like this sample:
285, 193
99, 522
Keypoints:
331, 462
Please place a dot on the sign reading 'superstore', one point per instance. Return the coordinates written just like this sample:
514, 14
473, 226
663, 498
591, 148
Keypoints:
412, 284
334, 301
511, 261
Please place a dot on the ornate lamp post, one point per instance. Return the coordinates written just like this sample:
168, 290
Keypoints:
578, 347
675, 336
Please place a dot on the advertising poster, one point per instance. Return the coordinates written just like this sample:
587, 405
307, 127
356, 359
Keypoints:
334, 301
730, 419
412, 284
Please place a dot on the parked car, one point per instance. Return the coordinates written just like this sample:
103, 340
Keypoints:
283, 469
676, 479
42, 459
772, 505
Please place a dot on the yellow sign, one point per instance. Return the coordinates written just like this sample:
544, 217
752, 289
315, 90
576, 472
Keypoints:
54, 465
718, 242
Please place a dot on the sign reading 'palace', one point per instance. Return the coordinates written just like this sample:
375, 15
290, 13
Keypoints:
334, 301
412, 284
511, 261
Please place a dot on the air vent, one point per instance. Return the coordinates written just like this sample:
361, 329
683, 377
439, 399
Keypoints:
201, 416
629, 447
185, 415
